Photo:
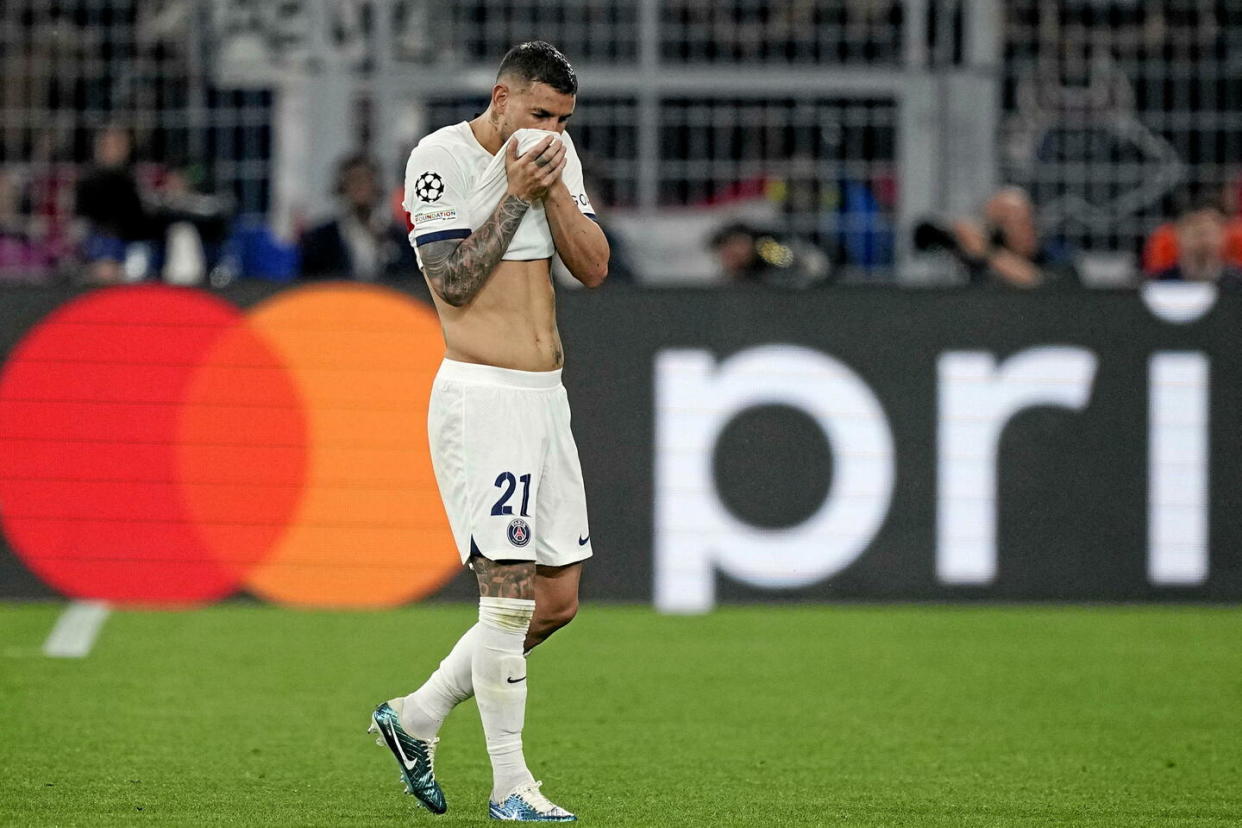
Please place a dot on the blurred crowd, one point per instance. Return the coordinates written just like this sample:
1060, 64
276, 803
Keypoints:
793, 193
118, 220
111, 220
1201, 242
1003, 246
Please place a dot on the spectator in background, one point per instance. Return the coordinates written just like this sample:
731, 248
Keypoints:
362, 241
108, 200
734, 248
22, 258
1005, 248
1161, 252
192, 225
747, 254
1201, 248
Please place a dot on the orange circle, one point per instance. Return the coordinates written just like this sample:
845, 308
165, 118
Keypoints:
369, 528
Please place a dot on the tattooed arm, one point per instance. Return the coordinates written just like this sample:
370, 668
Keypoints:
456, 270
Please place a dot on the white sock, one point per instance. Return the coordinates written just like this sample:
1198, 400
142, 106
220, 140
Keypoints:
427, 707
498, 660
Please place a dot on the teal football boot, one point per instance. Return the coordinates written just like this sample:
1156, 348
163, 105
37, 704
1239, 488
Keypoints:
527, 804
415, 757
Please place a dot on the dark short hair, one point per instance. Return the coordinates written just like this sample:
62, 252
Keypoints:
539, 62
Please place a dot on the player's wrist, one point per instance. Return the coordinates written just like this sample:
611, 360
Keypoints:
526, 200
558, 193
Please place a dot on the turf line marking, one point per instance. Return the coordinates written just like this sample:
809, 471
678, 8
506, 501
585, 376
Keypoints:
76, 630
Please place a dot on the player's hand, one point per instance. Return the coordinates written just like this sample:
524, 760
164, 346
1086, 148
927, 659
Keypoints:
534, 171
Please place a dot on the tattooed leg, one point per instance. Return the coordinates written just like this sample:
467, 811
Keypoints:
425, 710
498, 666
504, 579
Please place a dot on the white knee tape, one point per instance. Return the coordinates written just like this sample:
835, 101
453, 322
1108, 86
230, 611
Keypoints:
508, 614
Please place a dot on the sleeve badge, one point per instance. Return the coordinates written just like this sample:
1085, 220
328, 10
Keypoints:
429, 187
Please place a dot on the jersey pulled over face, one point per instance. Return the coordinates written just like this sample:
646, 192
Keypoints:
452, 184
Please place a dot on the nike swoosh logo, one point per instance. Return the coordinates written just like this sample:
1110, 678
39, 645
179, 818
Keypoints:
583, 541
404, 759
515, 681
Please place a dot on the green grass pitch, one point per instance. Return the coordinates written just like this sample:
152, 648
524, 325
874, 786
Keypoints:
809, 715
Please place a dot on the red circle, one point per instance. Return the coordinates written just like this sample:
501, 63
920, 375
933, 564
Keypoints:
93, 415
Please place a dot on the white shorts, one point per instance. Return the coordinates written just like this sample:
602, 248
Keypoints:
507, 465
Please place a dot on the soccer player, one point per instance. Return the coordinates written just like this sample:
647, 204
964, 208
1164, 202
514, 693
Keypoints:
491, 200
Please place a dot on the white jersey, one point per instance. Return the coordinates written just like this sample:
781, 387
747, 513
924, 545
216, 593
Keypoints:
452, 185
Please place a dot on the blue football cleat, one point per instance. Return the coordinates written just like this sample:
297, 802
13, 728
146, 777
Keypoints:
415, 757
527, 804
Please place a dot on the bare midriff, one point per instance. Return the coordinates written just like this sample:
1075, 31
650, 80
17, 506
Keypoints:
510, 323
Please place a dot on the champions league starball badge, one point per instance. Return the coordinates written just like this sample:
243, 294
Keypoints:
429, 187
519, 532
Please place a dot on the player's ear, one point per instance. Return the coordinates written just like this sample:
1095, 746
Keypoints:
500, 98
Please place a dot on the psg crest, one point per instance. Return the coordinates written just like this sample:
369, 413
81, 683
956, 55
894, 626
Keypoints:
519, 532
429, 187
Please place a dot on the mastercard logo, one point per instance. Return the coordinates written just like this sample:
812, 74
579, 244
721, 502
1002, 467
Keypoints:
159, 445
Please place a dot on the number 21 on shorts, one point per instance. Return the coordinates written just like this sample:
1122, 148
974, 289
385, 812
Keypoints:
508, 485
